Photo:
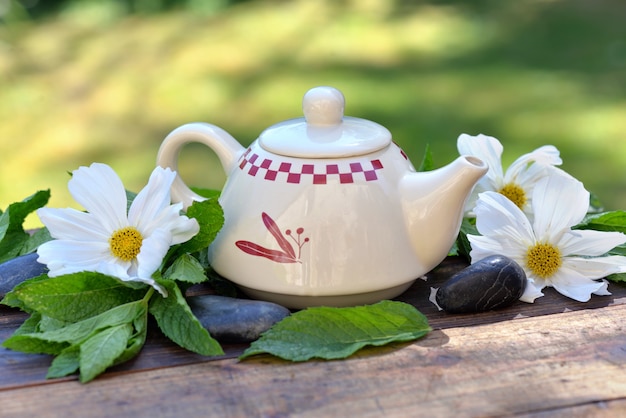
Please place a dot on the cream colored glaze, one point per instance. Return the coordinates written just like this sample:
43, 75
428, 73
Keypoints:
303, 227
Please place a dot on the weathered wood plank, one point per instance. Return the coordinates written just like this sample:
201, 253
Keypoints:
602, 409
19, 369
571, 362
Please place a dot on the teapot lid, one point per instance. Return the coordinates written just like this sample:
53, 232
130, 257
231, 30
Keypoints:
324, 132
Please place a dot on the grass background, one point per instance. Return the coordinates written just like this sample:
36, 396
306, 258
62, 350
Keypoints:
106, 81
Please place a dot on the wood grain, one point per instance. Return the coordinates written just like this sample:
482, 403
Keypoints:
556, 357
572, 362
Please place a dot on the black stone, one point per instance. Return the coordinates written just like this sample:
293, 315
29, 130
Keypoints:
19, 269
492, 283
235, 320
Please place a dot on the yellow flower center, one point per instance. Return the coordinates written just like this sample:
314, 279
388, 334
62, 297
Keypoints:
514, 193
125, 243
543, 260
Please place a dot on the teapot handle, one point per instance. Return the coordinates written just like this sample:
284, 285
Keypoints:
227, 149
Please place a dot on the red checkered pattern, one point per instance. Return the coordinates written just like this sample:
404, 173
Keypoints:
402, 152
310, 173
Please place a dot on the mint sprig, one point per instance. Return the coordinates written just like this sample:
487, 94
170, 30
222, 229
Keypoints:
90, 321
14, 241
72, 297
179, 324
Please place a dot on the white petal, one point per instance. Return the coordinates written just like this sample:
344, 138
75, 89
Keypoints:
150, 282
101, 192
152, 199
60, 270
596, 267
603, 290
532, 291
181, 227
115, 267
497, 215
589, 242
575, 285
483, 247
64, 256
529, 177
547, 154
153, 250
544, 156
559, 202
488, 149
120, 273
72, 251
162, 220
183, 230
73, 225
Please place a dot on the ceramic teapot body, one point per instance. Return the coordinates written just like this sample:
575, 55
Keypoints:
341, 220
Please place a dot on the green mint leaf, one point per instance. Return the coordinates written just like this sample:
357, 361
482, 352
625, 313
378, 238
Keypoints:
335, 333
102, 349
607, 221
179, 324
427, 163
12, 245
595, 205
619, 250
136, 341
30, 325
617, 277
77, 332
130, 196
13, 238
35, 240
29, 343
208, 193
210, 217
13, 217
186, 268
12, 298
66, 363
96, 354
72, 297
50, 324
462, 246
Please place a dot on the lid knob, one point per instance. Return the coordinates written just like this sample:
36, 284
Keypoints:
323, 106
324, 132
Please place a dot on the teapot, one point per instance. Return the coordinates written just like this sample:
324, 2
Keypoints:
326, 209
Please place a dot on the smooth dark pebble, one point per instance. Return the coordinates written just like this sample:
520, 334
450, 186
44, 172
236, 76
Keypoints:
18, 270
235, 320
492, 283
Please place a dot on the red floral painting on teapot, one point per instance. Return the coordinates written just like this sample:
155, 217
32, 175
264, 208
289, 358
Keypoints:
287, 252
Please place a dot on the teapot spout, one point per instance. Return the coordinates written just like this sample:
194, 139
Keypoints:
433, 204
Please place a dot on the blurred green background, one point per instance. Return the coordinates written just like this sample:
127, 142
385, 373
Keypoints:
84, 81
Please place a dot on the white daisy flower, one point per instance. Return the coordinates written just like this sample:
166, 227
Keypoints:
108, 239
518, 181
549, 251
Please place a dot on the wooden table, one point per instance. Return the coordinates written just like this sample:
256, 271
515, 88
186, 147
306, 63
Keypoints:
556, 357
